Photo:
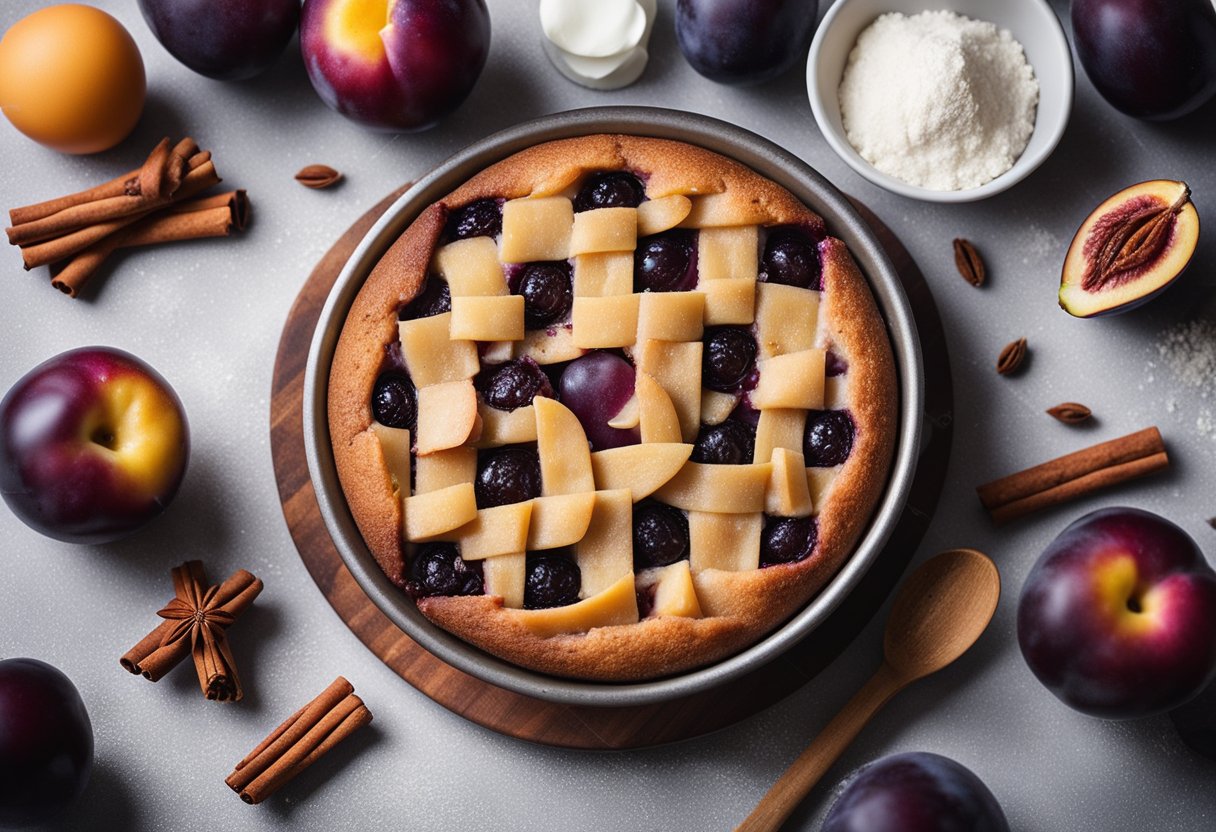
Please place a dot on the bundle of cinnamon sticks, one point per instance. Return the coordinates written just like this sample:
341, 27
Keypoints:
157, 203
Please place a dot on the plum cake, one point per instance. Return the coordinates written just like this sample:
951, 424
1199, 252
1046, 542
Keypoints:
614, 408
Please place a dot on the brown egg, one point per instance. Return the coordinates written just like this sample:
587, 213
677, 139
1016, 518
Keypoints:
71, 78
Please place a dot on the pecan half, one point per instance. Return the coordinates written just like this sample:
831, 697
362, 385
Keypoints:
1011, 357
1070, 413
970, 264
317, 176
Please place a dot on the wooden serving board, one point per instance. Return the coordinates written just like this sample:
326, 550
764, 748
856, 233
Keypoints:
564, 725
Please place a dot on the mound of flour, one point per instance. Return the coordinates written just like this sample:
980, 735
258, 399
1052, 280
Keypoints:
938, 100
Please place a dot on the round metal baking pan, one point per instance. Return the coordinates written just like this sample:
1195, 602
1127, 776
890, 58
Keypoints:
766, 159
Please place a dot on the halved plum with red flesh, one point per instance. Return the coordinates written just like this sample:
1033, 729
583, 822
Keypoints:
1130, 249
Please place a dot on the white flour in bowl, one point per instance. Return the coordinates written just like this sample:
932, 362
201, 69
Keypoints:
938, 100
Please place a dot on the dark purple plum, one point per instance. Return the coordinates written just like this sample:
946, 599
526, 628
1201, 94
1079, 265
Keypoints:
614, 189
915, 792
438, 569
744, 41
595, 387
1148, 58
434, 299
665, 263
514, 384
394, 401
46, 742
228, 40
787, 539
660, 535
828, 440
1196, 722
790, 258
507, 475
728, 357
480, 218
550, 580
729, 443
547, 291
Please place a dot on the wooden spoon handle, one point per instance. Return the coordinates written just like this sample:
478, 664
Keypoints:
825, 749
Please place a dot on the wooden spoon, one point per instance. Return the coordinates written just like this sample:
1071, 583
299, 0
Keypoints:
940, 611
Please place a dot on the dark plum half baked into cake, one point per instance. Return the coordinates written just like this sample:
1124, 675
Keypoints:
614, 408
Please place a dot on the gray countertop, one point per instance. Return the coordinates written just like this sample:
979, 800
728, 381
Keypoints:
208, 314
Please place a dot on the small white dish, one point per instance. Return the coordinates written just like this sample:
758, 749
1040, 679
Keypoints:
1031, 22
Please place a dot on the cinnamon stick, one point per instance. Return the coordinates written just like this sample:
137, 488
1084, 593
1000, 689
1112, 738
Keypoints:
1074, 475
299, 741
102, 221
163, 649
155, 184
128, 184
213, 216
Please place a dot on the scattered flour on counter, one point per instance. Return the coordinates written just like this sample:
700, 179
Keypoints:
938, 100
1189, 350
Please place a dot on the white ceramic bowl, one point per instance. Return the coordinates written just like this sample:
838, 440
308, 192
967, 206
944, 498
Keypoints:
1031, 22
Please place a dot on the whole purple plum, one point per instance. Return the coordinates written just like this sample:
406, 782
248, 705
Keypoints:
394, 64
46, 742
915, 792
744, 41
93, 445
1152, 59
1121, 596
228, 40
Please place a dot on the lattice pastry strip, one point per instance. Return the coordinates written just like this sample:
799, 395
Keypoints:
617, 604
714, 210
604, 230
719, 489
731, 300
605, 322
561, 444
791, 380
788, 493
506, 427
434, 513
657, 417
560, 520
674, 593
670, 316
676, 366
819, 483
729, 542
786, 318
431, 356
505, 576
536, 229
395, 450
728, 253
605, 553
444, 468
641, 469
501, 530
488, 318
778, 428
658, 215
447, 416
600, 275
471, 267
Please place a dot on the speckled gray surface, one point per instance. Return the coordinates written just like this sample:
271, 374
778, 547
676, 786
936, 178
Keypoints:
208, 315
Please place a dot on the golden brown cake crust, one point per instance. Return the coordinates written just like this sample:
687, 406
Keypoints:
741, 606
